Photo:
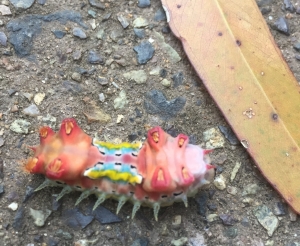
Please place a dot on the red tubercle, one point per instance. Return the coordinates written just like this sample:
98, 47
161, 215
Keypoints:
70, 132
55, 170
187, 177
161, 179
46, 134
182, 140
35, 165
156, 137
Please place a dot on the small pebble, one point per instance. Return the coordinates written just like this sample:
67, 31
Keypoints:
227, 219
97, 4
1, 189
77, 55
201, 200
144, 52
231, 232
248, 201
1, 142
288, 6
296, 46
13, 206
245, 222
39, 216
11, 92
19, 219
121, 101
102, 80
76, 77
100, 34
22, 4
166, 30
160, 15
212, 217
176, 222
140, 22
132, 137
156, 103
166, 83
4, 10
220, 182
29, 192
101, 97
144, 3
116, 34
171, 54
297, 56
42, 2
213, 138
180, 242
140, 33
155, 71
232, 190
119, 118
59, 34
292, 214
282, 26
124, 22
3, 38
92, 13
178, 79
250, 189
235, 171
78, 32
95, 58
31, 110
140, 242
265, 10
138, 76
280, 209
212, 207
229, 135
20, 126
93, 24
266, 218
106, 17
38, 98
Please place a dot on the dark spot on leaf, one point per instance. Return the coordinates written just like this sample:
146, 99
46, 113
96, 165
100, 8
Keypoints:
238, 42
178, 6
220, 34
275, 116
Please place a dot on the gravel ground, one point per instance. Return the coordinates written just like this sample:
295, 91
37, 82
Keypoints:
117, 69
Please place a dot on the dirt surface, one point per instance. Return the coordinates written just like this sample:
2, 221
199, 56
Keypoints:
214, 217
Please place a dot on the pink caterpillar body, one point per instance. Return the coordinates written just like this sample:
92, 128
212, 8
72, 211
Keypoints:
157, 173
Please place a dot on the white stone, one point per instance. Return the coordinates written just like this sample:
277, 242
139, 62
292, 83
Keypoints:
119, 119
220, 182
38, 98
13, 206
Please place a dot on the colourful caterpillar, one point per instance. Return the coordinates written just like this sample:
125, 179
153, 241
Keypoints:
157, 173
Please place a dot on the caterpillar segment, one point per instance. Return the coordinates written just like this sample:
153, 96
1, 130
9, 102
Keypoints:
157, 173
